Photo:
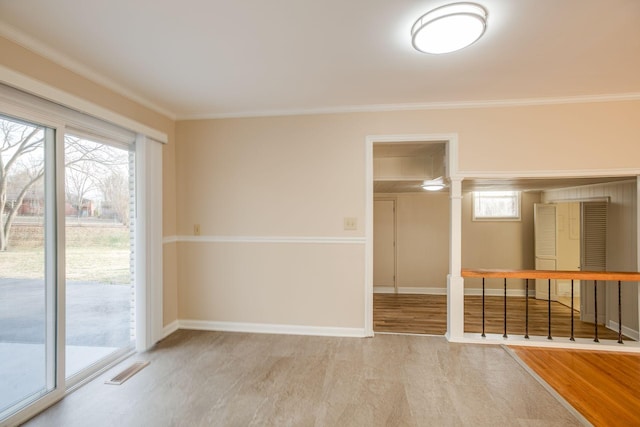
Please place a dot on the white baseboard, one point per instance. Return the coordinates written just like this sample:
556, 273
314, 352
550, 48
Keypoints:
541, 341
170, 328
631, 333
423, 290
267, 328
443, 291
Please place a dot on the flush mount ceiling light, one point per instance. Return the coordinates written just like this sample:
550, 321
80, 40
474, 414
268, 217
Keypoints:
434, 184
449, 28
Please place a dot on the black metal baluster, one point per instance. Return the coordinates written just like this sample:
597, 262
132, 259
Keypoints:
595, 307
549, 308
526, 309
572, 337
483, 335
505, 308
619, 315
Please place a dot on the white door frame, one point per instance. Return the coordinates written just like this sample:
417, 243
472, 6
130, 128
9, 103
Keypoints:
455, 300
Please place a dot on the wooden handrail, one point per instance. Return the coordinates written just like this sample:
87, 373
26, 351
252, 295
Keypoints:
552, 274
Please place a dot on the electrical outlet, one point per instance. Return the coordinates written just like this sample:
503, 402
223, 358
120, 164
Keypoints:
196, 229
350, 223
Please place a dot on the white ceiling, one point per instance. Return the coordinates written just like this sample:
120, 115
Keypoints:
220, 58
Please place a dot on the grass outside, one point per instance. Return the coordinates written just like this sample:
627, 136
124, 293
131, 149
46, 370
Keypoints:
94, 253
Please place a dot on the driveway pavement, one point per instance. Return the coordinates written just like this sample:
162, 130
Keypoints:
98, 323
97, 314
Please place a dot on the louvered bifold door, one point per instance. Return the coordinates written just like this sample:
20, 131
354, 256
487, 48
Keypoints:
593, 257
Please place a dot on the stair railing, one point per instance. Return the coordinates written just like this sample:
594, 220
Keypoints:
550, 275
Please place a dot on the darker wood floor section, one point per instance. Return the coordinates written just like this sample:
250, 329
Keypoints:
427, 314
603, 387
409, 313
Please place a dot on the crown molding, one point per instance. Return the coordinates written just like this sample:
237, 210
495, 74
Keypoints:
454, 105
63, 60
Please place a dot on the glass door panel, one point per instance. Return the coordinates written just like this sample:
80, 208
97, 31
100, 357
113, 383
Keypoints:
99, 237
27, 289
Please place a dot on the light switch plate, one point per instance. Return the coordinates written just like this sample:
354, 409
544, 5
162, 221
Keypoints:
350, 223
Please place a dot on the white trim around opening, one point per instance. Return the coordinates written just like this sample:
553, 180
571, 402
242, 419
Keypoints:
451, 141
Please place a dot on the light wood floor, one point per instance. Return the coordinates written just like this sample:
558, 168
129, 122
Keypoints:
427, 314
199, 378
603, 387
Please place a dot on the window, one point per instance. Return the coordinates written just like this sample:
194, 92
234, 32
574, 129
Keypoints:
27, 285
80, 249
496, 206
99, 251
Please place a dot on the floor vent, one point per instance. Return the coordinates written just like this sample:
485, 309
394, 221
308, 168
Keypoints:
127, 373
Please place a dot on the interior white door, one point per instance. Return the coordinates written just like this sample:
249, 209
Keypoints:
568, 249
594, 258
384, 244
545, 237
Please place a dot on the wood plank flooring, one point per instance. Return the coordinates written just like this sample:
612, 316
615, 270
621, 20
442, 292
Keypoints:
567, 302
427, 314
602, 386
410, 313
200, 378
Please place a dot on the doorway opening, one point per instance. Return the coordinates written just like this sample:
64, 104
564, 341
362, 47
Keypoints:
410, 237
592, 218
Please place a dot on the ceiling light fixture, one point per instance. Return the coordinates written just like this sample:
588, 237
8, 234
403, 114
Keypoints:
434, 184
449, 28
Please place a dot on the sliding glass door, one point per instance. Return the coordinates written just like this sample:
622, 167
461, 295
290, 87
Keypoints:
99, 198
70, 303
27, 264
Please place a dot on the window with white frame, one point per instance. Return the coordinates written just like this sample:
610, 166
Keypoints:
81, 215
496, 206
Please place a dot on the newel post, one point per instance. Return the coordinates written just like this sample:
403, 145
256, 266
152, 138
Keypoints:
455, 282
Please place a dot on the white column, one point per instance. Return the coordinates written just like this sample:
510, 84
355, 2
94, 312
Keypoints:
368, 255
455, 282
